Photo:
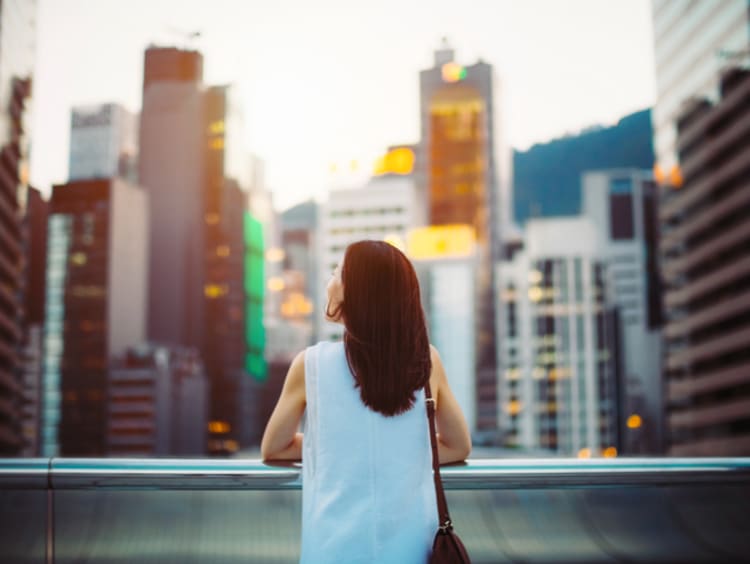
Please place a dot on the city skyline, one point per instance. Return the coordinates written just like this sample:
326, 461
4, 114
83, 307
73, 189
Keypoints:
308, 102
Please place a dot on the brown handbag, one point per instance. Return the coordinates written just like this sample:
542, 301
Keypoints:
447, 547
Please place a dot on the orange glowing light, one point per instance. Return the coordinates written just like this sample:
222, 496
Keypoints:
675, 177
634, 421
222, 251
584, 453
610, 452
218, 427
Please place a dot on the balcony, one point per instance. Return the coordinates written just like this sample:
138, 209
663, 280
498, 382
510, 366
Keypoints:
232, 511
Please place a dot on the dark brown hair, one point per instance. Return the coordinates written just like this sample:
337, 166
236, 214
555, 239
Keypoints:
386, 341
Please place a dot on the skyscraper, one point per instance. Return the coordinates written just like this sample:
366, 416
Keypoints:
465, 180
193, 166
693, 41
172, 143
706, 270
17, 31
95, 306
103, 143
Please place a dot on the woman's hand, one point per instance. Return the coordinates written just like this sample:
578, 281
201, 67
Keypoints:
281, 441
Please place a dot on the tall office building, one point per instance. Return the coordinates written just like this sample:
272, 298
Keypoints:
466, 180
95, 306
622, 204
103, 143
706, 270
198, 179
17, 47
172, 143
560, 381
385, 208
693, 41
445, 260
157, 403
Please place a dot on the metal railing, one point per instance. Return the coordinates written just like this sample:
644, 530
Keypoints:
243, 510
253, 474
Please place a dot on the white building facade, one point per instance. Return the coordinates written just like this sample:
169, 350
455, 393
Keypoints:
622, 205
385, 208
558, 379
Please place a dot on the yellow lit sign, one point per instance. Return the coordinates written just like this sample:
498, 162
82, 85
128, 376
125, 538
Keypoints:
453, 72
395, 161
441, 241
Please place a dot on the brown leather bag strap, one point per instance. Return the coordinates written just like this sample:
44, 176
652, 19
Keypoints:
444, 519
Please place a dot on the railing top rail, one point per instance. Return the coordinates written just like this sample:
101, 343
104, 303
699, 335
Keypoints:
254, 474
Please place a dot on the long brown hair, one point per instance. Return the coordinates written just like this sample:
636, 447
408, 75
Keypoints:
386, 341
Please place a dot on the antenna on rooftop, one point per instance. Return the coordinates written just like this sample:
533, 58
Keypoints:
189, 38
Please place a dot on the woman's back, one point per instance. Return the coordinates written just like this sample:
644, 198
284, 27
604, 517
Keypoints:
368, 494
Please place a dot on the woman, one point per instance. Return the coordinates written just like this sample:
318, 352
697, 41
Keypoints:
368, 493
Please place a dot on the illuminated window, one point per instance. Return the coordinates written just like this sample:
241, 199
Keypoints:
216, 127
218, 427
213, 291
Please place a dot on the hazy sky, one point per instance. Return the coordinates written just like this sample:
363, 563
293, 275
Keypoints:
335, 80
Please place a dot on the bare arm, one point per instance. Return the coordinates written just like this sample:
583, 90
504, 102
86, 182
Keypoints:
281, 441
454, 440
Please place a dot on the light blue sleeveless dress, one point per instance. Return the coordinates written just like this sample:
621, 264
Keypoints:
367, 488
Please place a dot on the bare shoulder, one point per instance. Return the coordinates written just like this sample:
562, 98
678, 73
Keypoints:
296, 375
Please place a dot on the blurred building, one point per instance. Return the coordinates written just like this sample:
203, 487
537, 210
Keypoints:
201, 185
445, 260
622, 204
385, 208
693, 41
18, 35
35, 255
705, 243
299, 243
103, 143
466, 180
157, 403
95, 305
172, 142
560, 385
